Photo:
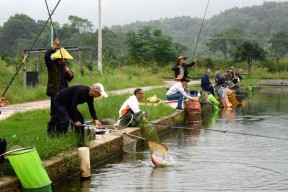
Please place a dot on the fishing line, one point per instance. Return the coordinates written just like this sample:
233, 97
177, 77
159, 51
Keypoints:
200, 29
27, 53
222, 131
50, 15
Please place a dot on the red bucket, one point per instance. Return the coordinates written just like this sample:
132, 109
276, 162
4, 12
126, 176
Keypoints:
193, 106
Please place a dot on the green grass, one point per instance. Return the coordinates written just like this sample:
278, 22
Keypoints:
29, 128
112, 79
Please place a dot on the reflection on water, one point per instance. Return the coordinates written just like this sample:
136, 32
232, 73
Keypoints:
243, 149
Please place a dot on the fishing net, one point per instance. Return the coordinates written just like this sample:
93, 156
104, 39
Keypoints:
148, 130
129, 144
157, 153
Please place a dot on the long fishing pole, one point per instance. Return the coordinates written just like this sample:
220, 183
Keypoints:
50, 15
218, 130
53, 28
27, 53
197, 40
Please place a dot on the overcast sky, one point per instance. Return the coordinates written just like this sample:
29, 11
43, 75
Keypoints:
119, 12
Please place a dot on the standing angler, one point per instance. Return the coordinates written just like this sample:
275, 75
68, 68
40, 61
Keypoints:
59, 75
181, 68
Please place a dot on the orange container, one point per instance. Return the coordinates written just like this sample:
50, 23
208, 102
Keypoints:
192, 106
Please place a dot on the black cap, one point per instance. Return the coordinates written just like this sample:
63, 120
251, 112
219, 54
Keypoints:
185, 79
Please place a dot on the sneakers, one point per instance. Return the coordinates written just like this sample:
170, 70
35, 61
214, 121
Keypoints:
179, 109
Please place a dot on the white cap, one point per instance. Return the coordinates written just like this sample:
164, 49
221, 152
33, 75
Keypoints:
99, 87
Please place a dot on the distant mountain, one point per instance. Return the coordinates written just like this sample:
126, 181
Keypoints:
263, 20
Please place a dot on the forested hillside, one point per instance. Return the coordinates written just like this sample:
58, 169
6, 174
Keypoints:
257, 22
262, 27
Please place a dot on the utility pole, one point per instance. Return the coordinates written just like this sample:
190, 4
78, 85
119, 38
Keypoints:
100, 40
51, 35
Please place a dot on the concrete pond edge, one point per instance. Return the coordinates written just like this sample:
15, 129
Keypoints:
67, 164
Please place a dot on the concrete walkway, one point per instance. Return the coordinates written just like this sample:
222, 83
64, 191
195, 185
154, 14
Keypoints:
45, 104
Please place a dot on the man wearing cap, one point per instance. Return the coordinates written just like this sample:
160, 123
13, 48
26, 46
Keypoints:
181, 68
67, 101
58, 77
177, 92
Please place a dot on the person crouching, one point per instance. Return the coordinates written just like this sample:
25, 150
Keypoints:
67, 101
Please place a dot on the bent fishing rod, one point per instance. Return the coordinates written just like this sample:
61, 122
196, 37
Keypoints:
197, 40
27, 53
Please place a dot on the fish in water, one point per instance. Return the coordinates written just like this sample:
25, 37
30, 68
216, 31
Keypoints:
158, 161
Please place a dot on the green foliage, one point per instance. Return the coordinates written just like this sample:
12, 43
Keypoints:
82, 25
279, 43
249, 51
225, 41
147, 46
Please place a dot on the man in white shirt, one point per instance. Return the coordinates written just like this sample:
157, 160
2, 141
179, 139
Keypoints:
131, 109
177, 92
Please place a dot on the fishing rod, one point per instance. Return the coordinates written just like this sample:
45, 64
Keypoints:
113, 130
221, 131
27, 53
53, 28
200, 29
50, 15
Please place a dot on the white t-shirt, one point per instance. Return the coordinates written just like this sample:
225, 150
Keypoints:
131, 103
178, 88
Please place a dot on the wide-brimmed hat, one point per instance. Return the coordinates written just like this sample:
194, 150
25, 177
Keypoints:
61, 54
182, 57
100, 88
179, 77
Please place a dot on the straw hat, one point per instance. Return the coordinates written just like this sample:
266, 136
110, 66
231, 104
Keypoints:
182, 57
61, 53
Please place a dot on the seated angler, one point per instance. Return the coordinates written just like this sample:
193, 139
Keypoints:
177, 92
206, 85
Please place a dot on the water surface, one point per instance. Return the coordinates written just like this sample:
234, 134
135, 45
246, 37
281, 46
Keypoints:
243, 149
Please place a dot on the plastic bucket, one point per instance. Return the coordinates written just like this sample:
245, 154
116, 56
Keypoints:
192, 106
29, 169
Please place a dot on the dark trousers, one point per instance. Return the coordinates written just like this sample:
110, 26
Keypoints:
53, 124
210, 89
53, 110
64, 114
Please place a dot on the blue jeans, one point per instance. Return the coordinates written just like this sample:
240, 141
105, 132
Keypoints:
177, 96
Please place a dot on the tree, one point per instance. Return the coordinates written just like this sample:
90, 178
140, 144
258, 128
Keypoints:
225, 41
19, 26
149, 46
83, 25
279, 43
249, 51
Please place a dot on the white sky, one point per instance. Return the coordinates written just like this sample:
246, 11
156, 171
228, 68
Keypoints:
119, 12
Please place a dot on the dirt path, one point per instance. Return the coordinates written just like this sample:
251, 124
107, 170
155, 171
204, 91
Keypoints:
45, 104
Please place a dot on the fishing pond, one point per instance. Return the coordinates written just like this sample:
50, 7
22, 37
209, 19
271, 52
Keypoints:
239, 149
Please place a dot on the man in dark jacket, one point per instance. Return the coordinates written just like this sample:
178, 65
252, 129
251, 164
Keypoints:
206, 85
181, 68
67, 101
58, 77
